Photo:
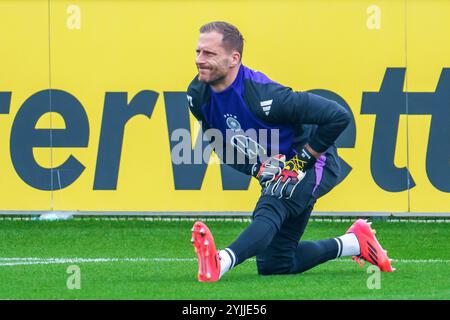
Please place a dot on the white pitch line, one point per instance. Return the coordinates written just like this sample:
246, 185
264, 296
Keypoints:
16, 261
35, 260
407, 261
96, 259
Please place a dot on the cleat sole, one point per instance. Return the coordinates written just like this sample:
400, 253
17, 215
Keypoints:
207, 255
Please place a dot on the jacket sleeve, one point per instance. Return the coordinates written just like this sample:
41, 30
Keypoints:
290, 107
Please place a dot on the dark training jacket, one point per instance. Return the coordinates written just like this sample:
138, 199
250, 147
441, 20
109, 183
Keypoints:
254, 104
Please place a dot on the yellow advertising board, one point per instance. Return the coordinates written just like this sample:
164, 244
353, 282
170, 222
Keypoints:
110, 78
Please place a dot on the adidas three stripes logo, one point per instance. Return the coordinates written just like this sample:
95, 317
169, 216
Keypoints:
266, 105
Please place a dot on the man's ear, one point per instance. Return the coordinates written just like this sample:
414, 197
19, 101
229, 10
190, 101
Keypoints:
235, 58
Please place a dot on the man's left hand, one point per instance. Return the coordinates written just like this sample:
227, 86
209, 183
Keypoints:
294, 170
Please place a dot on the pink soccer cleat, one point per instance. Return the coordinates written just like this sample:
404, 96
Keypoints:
207, 255
370, 248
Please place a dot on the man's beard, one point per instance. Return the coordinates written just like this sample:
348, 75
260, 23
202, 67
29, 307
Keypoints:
215, 81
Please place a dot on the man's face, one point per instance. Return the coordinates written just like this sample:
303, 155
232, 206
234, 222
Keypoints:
213, 60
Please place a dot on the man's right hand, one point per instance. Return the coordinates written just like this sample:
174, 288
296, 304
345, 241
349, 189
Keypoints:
277, 177
269, 169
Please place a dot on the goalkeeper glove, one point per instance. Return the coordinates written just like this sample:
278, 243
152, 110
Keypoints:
301, 161
292, 172
269, 169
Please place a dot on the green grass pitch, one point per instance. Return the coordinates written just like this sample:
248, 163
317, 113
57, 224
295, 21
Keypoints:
155, 260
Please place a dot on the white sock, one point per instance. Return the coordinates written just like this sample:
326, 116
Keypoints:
348, 245
227, 260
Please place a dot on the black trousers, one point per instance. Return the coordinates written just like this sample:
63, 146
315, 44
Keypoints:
278, 224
